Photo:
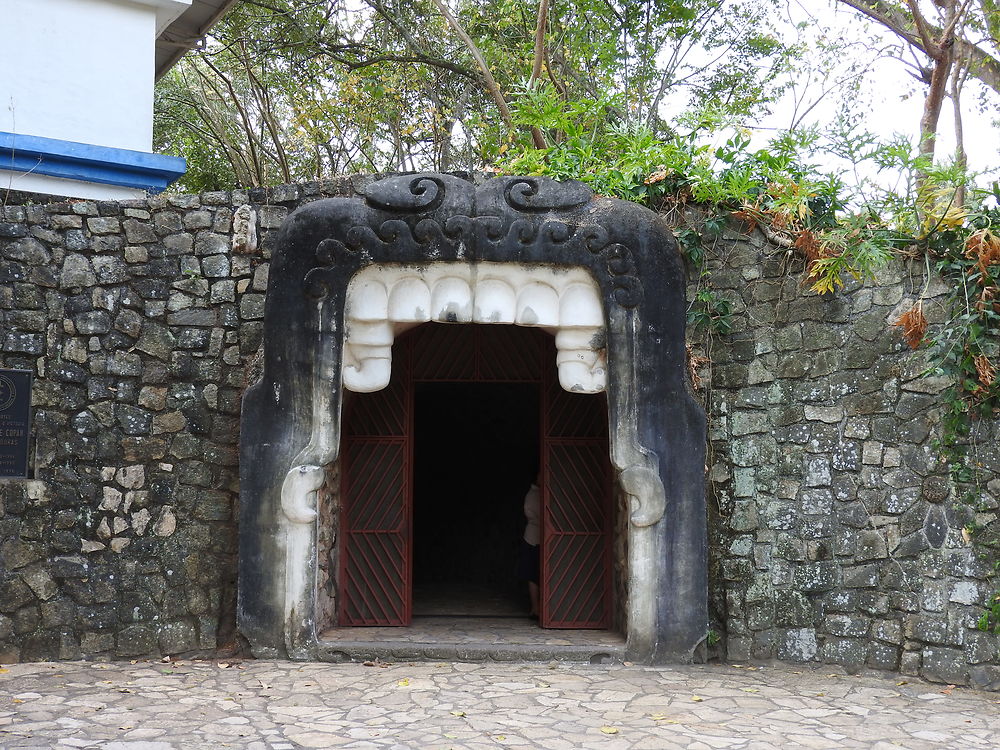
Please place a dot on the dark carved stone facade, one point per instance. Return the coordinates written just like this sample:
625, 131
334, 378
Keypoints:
657, 427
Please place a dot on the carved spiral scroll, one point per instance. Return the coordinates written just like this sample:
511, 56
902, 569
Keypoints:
406, 193
544, 194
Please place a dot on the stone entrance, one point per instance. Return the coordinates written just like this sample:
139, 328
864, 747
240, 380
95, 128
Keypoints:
433, 470
350, 275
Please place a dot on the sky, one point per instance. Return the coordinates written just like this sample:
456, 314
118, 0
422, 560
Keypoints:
891, 96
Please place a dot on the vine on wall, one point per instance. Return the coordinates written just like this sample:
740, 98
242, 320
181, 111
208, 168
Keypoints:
841, 230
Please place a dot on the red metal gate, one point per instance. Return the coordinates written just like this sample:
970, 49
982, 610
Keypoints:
576, 510
375, 519
377, 480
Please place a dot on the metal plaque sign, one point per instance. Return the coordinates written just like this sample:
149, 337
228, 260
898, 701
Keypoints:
15, 422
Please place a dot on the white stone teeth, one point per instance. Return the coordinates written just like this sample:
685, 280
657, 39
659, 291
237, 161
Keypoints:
537, 305
495, 302
580, 307
410, 301
368, 356
451, 300
368, 301
582, 369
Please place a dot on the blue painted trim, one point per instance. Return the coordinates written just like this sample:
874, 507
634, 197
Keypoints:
88, 163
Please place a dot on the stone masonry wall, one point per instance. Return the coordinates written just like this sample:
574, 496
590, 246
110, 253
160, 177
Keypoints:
139, 320
837, 534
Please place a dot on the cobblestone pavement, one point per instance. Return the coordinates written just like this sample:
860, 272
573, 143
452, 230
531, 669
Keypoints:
261, 705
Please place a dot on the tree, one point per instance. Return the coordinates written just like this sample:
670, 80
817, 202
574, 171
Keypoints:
959, 39
979, 45
299, 89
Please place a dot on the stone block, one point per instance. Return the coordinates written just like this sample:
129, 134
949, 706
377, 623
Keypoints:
138, 232
77, 272
936, 526
944, 665
104, 225
136, 640
211, 243
889, 631
816, 501
203, 317
215, 266
252, 307
851, 653
40, 582
928, 630
177, 637
847, 626
861, 576
197, 219
816, 472
797, 645
748, 422
884, 656
985, 677
871, 546
981, 647
793, 609
818, 576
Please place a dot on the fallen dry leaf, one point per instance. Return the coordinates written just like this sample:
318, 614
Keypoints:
609, 730
914, 325
404, 682
697, 698
458, 713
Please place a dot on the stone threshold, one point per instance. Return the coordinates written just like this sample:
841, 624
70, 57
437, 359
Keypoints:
470, 639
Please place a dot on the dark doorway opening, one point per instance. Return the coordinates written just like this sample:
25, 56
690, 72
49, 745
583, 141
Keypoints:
476, 451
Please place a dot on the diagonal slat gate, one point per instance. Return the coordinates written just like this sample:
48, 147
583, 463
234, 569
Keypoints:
375, 517
576, 511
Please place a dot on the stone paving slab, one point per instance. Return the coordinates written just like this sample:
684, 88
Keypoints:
266, 705
471, 639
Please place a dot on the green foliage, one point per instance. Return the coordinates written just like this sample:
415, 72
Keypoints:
289, 90
966, 350
842, 234
711, 311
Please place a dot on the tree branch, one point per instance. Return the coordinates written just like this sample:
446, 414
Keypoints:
491, 84
983, 64
536, 67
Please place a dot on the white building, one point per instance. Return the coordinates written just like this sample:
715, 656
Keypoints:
76, 92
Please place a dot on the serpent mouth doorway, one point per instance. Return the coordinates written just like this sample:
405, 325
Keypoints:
352, 277
475, 456
435, 469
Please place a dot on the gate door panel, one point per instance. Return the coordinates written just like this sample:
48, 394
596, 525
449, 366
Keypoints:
576, 511
377, 460
375, 561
